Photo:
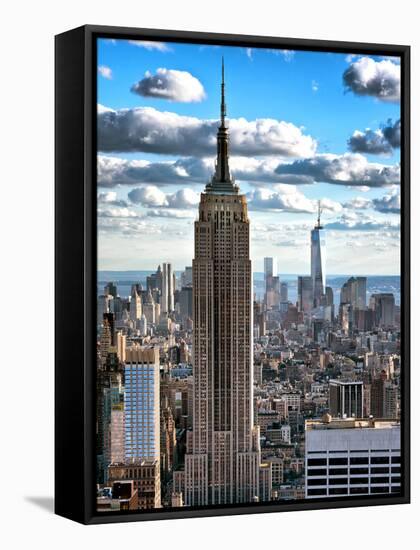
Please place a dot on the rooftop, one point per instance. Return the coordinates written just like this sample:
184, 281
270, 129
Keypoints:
329, 423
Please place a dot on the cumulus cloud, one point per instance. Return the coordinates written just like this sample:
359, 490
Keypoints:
170, 84
171, 213
377, 142
116, 212
114, 171
151, 196
149, 130
358, 203
388, 204
287, 198
348, 169
379, 79
105, 71
151, 45
110, 199
350, 221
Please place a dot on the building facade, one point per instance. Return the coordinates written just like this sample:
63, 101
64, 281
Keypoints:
352, 457
223, 461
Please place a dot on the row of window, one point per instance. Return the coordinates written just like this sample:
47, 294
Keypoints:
354, 460
342, 491
353, 471
353, 481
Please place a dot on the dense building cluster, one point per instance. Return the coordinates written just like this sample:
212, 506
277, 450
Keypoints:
208, 394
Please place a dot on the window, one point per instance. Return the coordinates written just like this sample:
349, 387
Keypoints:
359, 481
359, 460
379, 460
338, 491
338, 461
358, 471
338, 481
337, 471
312, 481
317, 462
317, 472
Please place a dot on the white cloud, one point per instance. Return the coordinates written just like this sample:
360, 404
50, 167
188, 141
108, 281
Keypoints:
110, 199
379, 79
352, 221
149, 130
287, 198
116, 212
151, 196
171, 213
358, 203
348, 169
389, 203
105, 71
314, 86
170, 84
151, 45
377, 142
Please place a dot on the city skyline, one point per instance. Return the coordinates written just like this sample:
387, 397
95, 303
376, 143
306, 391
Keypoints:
208, 392
149, 187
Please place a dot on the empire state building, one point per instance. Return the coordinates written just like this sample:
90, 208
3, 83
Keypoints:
222, 464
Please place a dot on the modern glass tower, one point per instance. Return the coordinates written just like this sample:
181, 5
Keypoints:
318, 260
141, 404
222, 464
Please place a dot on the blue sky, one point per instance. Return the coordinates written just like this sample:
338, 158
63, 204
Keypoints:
317, 126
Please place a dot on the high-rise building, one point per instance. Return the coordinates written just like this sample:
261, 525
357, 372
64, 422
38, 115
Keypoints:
141, 404
352, 457
185, 302
271, 283
318, 260
186, 277
110, 288
223, 460
135, 305
284, 292
346, 398
270, 268
154, 281
305, 293
167, 302
353, 292
384, 306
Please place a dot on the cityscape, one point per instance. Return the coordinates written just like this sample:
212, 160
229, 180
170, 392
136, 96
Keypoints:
217, 384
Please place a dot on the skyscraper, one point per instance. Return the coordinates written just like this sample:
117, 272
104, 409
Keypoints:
141, 404
346, 398
135, 305
305, 293
318, 260
222, 464
167, 303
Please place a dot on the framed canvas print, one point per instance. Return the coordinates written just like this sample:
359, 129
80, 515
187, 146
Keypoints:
232, 274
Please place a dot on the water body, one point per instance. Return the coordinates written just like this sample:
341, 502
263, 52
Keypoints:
375, 283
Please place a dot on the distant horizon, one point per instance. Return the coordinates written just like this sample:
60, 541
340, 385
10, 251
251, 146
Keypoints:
261, 272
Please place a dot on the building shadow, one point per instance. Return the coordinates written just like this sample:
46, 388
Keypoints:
46, 503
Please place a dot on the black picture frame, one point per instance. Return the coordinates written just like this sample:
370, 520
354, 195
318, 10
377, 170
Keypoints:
75, 270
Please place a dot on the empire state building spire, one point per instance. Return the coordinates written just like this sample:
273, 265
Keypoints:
222, 181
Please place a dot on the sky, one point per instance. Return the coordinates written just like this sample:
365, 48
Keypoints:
304, 127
